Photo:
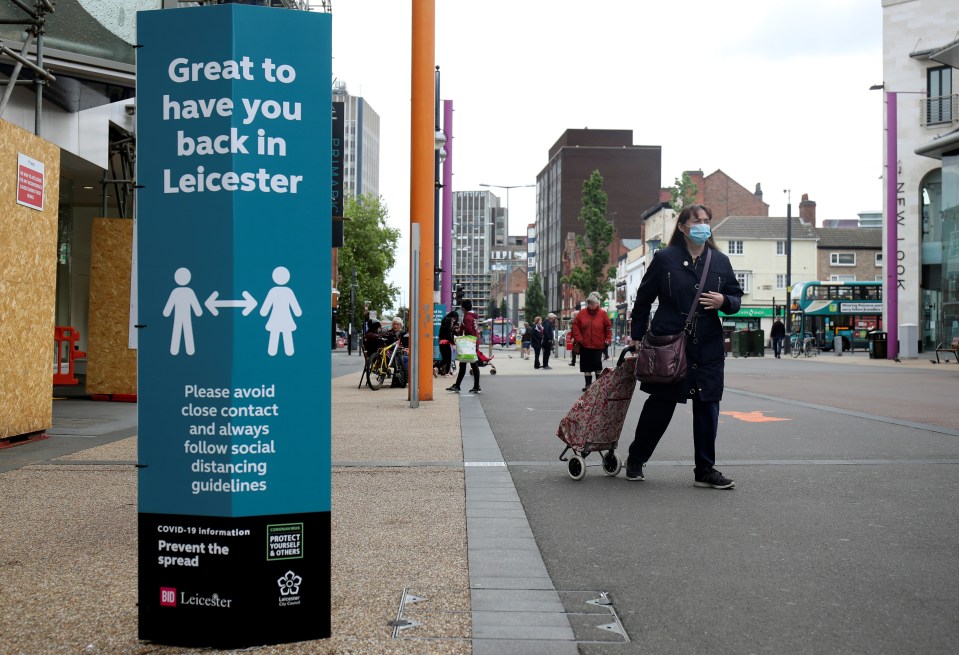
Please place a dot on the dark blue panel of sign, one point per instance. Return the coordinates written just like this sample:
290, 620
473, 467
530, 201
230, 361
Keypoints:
233, 124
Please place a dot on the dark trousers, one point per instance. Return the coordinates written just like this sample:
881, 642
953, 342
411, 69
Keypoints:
446, 358
777, 346
462, 374
654, 419
536, 348
547, 351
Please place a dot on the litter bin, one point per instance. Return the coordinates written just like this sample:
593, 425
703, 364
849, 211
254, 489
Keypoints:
757, 343
878, 344
740, 344
728, 339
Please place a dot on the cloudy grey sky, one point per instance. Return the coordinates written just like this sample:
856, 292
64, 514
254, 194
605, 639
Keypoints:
773, 92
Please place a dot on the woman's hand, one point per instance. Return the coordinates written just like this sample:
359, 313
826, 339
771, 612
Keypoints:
712, 300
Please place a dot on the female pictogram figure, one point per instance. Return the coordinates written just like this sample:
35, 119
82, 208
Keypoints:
281, 306
182, 304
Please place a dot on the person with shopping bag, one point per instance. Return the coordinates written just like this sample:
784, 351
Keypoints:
675, 276
592, 331
466, 345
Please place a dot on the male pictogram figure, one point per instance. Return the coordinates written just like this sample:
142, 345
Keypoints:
182, 304
281, 306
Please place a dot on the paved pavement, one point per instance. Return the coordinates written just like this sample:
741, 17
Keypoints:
433, 549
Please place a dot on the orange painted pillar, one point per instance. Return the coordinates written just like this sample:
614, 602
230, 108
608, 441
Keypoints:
421, 188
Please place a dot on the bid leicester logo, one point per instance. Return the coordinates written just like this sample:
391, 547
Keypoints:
289, 589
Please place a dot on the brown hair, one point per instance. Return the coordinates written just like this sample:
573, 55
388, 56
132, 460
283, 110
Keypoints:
678, 238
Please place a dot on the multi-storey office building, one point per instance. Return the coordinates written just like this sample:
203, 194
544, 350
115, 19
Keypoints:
479, 229
361, 143
631, 180
920, 58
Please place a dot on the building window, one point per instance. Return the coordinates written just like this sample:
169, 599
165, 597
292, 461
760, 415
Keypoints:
780, 281
939, 95
735, 247
842, 258
842, 278
879, 259
743, 277
780, 247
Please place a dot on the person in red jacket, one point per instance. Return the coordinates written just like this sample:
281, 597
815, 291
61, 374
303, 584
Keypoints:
468, 327
593, 332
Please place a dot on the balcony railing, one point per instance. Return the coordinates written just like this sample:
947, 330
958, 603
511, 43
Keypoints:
939, 111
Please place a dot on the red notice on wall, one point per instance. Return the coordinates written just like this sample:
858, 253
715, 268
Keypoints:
29, 182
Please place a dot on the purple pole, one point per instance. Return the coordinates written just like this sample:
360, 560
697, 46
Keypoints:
892, 228
446, 281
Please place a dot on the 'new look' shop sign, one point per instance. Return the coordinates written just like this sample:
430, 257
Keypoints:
233, 233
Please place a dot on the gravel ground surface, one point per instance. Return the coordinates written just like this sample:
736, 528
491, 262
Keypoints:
68, 565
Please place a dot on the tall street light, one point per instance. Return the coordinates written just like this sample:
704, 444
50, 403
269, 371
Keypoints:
507, 187
789, 268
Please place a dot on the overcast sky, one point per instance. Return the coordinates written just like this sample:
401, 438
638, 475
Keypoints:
773, 92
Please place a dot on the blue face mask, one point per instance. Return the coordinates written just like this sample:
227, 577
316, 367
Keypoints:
699, 233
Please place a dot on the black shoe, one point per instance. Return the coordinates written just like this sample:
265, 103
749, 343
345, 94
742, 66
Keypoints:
635, 474
476, 390
536, 366
453, 389
572, 363
713, 479
547, 368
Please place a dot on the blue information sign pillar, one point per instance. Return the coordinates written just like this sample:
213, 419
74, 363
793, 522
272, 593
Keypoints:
233, 260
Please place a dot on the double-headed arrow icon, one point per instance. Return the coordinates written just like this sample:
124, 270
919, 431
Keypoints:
248, 303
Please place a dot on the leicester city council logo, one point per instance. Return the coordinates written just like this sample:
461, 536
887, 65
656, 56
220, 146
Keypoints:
289, 584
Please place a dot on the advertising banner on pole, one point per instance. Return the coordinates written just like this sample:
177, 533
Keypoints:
233, 251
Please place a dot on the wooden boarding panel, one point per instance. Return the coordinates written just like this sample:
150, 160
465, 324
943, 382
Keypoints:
28, 260
111, 364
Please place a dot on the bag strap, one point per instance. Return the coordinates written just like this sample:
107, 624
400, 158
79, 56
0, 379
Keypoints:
699, 292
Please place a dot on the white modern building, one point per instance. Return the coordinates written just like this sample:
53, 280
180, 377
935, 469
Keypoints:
920, 57
361, 148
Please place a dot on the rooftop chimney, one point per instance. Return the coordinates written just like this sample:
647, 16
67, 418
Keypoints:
807, 210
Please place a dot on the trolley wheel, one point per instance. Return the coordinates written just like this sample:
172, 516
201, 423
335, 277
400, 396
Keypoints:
612, 464
577, 467
492, 370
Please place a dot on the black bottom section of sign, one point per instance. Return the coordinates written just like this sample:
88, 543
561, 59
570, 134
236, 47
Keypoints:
234, 582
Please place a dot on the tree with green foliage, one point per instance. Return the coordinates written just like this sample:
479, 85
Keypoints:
503, 308
594, 274
535, 299
369, 246
682, 193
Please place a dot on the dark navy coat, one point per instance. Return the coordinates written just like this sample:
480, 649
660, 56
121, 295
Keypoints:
672, 277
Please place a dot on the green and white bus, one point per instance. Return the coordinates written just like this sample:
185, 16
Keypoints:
850, 310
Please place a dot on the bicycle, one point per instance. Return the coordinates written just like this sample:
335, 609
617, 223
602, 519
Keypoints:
386, 363
808, 347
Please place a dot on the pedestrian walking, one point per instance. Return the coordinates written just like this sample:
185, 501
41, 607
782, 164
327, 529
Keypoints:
549, 332
525, 340
537, 339
449, 326
469, 327
593, 331
573, 348
672, 277
777, 334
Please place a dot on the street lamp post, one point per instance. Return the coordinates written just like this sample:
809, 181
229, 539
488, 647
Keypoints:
789, 266
507, 187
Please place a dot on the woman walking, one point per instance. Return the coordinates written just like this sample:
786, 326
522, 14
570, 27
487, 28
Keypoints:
593, 332
537, 339
674, 276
